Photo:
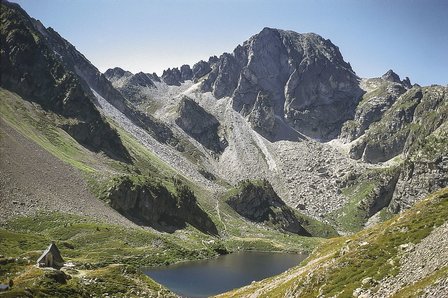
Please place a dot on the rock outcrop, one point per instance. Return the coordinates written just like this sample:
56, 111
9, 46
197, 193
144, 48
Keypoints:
405, 124
380, 96
172, 76
186, 73
200, 69
258, 202
131, 86
152, 204
175, 77
391, 76
200, 125
415, 128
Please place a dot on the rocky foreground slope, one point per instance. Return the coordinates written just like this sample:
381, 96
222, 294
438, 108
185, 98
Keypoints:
402, 257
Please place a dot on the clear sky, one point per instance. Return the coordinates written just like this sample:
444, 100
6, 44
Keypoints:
408, 36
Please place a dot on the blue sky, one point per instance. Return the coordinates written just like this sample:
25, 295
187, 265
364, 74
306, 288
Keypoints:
408, 36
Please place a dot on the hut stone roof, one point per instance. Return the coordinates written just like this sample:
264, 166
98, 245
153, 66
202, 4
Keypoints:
56, 257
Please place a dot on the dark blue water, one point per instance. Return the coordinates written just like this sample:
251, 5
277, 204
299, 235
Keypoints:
210, 277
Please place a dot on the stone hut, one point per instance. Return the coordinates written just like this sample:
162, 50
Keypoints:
51, 257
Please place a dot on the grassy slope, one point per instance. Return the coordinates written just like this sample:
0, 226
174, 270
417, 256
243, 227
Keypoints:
361, 194
100, 250
338, 266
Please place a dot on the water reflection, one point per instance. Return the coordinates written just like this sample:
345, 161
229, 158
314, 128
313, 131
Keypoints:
211, 277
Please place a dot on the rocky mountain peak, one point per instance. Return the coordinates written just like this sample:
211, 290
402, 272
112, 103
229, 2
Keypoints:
185, 72
391, 76
309, 87
305, 76
142, 79
117, 72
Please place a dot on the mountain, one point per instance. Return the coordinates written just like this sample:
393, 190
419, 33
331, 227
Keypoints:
280, 76
374, 120
31, 68
275, 147
94, 81
395, 121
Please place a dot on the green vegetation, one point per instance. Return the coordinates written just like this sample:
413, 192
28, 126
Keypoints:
413, 125
352, 217
41, 127
338, 267
379, 257
108, 252
362, 194
112, 244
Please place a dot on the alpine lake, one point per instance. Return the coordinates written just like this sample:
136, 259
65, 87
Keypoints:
214, 276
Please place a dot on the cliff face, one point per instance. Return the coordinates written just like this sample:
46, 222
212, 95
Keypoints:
199, 124
380, 95
31, 69
153, 205
259, 203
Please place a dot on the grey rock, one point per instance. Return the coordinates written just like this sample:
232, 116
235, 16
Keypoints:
212, 60
407, 83
371, 108
200, 69
391, 76
154, 77
387, 138
199, 124
116, 73
260, 203
132, 88
304, 73
153, 205
262, 116
227, 76
172, 76
414, 126
186, 73
141, 79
